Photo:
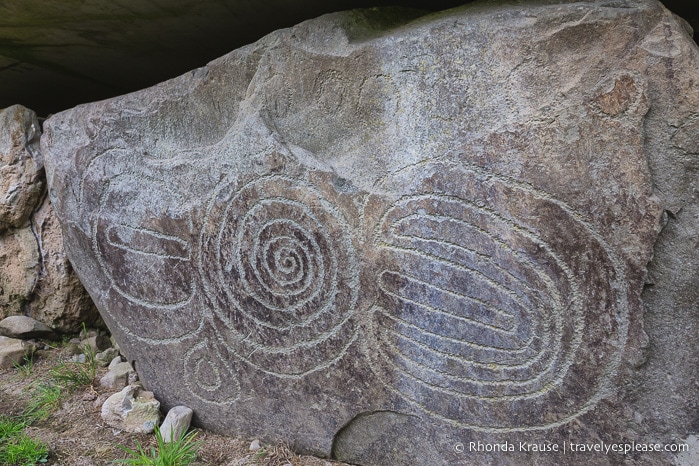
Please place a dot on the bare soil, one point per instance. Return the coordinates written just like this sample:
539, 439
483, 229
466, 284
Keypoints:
77, 436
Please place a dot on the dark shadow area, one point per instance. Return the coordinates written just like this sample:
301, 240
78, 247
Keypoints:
57, 55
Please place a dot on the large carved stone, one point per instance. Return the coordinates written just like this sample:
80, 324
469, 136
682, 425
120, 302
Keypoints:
381, 239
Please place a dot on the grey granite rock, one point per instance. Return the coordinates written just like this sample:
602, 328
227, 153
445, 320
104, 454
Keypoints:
383, 239
21, 180
133, 409
176, 423
118, 376
25, 328
13, 351
104, 358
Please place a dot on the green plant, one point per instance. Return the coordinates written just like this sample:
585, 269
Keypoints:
21, 449
25, 366
179, 452
73, 375
44, 400
10, 427
259, 455
16, 448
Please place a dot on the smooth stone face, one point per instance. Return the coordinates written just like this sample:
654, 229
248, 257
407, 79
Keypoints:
13, 351
24, 327
366, 224
176, 423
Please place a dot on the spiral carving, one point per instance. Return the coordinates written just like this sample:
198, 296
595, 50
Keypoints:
499, 308
281, 273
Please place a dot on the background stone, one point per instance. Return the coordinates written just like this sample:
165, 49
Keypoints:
36, 278
25, 328
13, 351
19, 270
372, 221
21, 181
59, 299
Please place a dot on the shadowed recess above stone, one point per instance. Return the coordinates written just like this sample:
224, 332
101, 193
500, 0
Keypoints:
55, 55
437, 232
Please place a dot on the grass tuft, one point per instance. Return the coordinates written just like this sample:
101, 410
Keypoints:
25, 367
180, 452
10, 427
16, 447
74, 375
44, 401
22, 450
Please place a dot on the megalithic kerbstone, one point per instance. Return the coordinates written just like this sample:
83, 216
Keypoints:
380, 237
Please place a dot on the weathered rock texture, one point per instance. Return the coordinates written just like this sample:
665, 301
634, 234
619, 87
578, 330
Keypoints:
36, 278
382, 239
21, 180
19, 270
13, 352
133, 409
25, 328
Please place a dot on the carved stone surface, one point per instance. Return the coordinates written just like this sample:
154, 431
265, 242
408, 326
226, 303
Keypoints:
435, 232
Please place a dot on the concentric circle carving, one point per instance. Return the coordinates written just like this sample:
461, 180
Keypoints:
281, 273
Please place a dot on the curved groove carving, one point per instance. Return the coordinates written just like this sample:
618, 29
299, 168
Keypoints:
207, 377
499, 308
281, 272
135, 247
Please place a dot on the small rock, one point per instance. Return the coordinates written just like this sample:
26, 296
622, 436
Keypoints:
114, 362
81, 358
12, 351
132, 410
105, 357
25, 328
75, 341
118, 376
89, 396
98, 343
176, 423
71, 349
255, 445
85, 334
115, 345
